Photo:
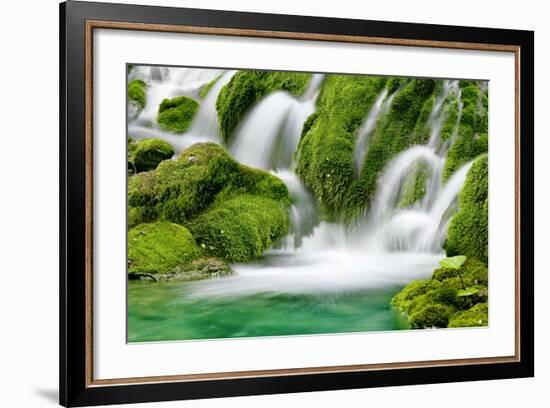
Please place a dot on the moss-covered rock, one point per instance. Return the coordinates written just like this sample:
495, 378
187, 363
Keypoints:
146, 154
247, 87
176, 114
415, 185
431, 316
468, 230
325, 153
180, 189
449, 292
241, 227
476, 316
160, 247
471, 138
234, 212
137, 93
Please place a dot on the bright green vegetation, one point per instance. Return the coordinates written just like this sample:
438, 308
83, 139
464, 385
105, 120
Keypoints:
248, 87
160, 248
471, 138
176, 114
146, 154
240, 228
136, 92
414, 187
451, 295
168, 311
234, 211
468, 230
476, 316
206, 89
403, 126
325, 153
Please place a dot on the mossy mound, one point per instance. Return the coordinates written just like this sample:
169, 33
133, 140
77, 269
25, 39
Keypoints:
160, 247
415, 185
146, 154
449, 293
137, 93
471, 139
176, 114
325, 154
240, 228
403, 126
468, 230
476, 316
182, 188
234, 212
247, 87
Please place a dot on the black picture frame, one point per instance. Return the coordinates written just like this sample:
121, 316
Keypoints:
76, 386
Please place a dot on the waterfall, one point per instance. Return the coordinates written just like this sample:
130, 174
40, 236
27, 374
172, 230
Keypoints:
380, 106
269, 134
170, 82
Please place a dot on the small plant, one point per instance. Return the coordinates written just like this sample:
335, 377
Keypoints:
455, 263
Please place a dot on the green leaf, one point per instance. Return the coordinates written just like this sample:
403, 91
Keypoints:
467, 292
454, 262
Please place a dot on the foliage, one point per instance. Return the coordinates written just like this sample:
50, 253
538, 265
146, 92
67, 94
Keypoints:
146, 154
468, 229
241, 227
431, 316
325, 154
160, 248
247, 87
454, 262
176, 114
136, 92
414, 187
471, 138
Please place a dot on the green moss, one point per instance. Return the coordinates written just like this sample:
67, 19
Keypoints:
325, 153
176, 114
148, 153
160, 248
431, 316
471, 137
404, 299
468, 229
421, 300
178, 190
476, 316
415, 185
403, 126
136, 92
241, 227
247, 87
206, 89
130, 153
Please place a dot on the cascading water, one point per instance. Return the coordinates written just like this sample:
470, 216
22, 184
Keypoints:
171, 82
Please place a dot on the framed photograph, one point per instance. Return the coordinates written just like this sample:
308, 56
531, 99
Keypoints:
256, 204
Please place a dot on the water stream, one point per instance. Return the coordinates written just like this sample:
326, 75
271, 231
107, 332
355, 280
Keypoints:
327, 277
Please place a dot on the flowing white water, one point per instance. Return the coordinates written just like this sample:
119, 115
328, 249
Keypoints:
170, 82
378, 109
268, 135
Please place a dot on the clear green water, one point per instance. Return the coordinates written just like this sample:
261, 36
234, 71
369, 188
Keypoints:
169, 311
